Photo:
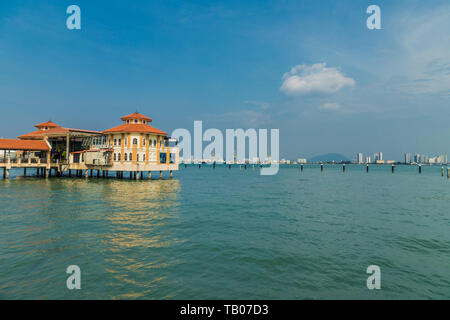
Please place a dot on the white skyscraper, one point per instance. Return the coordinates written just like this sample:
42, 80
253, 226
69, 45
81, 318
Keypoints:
408, 157
359, 158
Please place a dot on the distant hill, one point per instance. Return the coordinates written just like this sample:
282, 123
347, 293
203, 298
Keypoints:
329, 157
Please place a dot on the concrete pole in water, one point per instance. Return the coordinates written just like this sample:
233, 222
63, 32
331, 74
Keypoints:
25, 172
171, 174
442, 171
343, 167
321, 167
7, 174
420, 168
229, 167
448, 173
199, 165
393, 168
367, 168
301, 168
245, 166
160, 174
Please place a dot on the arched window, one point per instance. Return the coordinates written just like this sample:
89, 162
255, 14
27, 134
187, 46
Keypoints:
143, 156
120, 142
143, 141
135, 141
115, 157
131, 156
137, 157
154, 143
115, 142
118, 158
125, 157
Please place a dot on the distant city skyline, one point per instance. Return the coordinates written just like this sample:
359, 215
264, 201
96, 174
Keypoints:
309, 68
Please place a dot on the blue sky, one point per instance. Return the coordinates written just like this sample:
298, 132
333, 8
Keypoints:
310, 68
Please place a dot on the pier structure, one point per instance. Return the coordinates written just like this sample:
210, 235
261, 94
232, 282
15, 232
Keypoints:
134, 147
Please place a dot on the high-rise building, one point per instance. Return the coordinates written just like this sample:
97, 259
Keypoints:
368, 160
408, 157
359, 158
376, 157
381, 156
417, 158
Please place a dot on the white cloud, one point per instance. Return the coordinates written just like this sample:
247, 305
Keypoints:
304, 79
424, 59
330, 106
260, 104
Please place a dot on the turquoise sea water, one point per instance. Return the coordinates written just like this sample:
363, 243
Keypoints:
228, 234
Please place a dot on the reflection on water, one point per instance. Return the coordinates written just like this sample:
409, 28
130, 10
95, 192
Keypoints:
109, 228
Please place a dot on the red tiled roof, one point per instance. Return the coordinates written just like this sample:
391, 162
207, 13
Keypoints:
134, 116
35, 134
39, 134
26, 145
47, 124
135, 127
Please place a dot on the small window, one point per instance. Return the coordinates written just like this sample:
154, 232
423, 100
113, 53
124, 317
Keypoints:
143, 157
120, 142
131, 156
115, 142
118, 157
137, 157
134, 141
143, 141
128, 121
125, 157
135, 121
115, 157
154, 143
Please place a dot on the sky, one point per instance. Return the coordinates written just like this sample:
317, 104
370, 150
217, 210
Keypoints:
311, 69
